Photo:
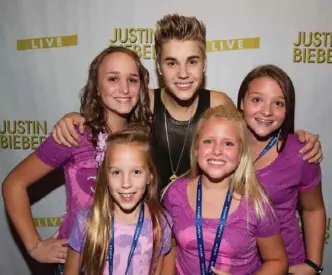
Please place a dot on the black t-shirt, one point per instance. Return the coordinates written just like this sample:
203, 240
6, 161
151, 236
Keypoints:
176, 135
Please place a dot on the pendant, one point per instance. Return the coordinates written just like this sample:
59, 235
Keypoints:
173, 177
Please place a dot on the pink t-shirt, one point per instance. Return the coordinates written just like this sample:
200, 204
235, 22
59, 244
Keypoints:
238, 252
123, 238
283, 180
80, 174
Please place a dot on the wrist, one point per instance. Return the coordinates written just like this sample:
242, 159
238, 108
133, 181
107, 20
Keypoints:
317, 268
34, 246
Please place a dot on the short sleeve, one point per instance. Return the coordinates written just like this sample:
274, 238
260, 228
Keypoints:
52, 153
172, 196
77, 234
269, 224
311, 176
167, 234
166, 201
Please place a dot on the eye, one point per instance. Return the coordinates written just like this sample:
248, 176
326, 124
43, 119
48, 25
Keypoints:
229, 143
133, 80
280, 104
112, 78
207, 141
137, 172
115, 172
255, 99
171, 64
193, 61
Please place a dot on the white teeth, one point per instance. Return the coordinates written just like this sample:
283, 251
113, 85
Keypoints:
183, 85
216, 162
266, 122
122, 99
126, 195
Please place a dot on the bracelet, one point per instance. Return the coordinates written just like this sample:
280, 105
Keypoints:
34, 247
314, 266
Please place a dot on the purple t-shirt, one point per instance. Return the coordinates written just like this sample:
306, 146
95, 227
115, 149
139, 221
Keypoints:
238, 253
124, 233
80, 174
283, 179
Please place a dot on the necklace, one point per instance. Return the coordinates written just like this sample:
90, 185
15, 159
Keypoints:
174, 176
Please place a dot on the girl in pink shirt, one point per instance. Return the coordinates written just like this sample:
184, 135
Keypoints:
116, 93
125, 231
222, 219
267, 101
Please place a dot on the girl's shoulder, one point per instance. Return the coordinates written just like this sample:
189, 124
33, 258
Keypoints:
177, 188
167, 221
83, 214
293, 145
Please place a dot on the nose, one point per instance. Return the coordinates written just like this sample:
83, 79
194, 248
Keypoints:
124, 87
266, 109
126, 183
217, 149
183, 72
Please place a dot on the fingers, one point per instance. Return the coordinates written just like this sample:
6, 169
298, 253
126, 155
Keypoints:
70, 127
58, 132
55, 235
54, 135
81, 127
301, 136
67, 138
219, 272
314, 154
62, 242
58, 261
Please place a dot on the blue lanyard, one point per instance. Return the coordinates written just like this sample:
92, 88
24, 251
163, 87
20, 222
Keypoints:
133, 246
268, 147
199, 230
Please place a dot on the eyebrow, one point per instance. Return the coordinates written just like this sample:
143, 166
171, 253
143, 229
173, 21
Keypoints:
258, 93
169, 58
115, 167
117, 73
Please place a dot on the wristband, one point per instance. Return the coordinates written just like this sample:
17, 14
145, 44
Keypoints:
34, 247
315, 267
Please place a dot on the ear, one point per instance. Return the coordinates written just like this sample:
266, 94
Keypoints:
158, 68
241, 105
205, 64
150, 179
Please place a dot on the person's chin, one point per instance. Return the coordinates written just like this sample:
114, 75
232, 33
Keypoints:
184, 96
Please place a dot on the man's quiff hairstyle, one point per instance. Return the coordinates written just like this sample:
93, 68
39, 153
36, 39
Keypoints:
179, 27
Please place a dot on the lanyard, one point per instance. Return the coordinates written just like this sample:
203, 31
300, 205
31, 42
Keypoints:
133, 246
268, 147
199, 230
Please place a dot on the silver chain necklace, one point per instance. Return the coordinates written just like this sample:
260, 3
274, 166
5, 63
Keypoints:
174, 176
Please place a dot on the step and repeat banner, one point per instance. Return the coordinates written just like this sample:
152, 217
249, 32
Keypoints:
47, 46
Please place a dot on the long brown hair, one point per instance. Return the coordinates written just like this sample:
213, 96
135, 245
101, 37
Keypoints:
98, 227
92, 106
287, 87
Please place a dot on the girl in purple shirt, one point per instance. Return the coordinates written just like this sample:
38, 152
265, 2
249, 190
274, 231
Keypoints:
115, 94
222, 219
125, 231
267, 100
